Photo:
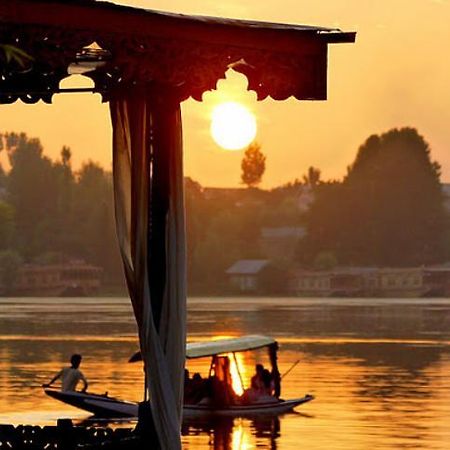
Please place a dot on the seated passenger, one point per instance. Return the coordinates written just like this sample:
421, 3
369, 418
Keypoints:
267, 382
257, 381
260, 388
208, 389
194, 388
197, 380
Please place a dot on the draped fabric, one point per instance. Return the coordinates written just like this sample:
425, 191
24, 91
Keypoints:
148, 190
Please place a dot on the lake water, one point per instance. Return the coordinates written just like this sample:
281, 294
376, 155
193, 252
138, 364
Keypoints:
380, 369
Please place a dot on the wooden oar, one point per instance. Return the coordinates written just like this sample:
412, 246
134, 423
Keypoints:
290, 368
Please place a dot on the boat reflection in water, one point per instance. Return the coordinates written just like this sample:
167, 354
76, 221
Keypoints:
228, 433
217, 432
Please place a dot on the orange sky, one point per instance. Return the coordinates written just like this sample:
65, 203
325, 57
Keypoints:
397, 74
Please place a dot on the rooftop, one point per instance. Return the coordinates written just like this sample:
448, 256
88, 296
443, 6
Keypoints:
247, 267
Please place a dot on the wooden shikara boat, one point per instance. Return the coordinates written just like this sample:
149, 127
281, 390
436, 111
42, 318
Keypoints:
105, 406
219, 351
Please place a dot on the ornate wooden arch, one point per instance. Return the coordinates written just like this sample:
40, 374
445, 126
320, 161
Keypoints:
188, 54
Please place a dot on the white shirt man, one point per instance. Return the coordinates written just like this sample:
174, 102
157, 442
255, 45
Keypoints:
70, 376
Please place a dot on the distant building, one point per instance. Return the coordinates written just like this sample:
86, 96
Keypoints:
346, 282
75, 278
305, 283
245, 275
280, 243
368, 281
420, 281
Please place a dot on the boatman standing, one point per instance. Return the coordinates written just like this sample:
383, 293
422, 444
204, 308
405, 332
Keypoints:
70, 376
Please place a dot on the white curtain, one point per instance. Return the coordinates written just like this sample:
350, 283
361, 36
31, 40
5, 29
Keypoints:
148, 190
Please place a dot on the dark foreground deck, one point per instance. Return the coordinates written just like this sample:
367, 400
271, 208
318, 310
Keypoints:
65, 436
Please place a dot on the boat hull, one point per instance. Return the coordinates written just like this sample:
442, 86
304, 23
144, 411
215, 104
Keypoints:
99, 405
272, 408
104, 406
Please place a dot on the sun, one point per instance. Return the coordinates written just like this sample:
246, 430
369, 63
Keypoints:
233, 126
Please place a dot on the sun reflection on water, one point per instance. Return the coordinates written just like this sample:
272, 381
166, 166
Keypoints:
240, 439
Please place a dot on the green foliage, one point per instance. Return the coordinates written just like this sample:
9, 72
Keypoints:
2, 178
93, 202
10, 262
388, 211
32, 191
253, 165
325, 261
195, 223
221, 228
217, 249
273, 280
7, 225
312, 177
54, 211
10, 54
281, 209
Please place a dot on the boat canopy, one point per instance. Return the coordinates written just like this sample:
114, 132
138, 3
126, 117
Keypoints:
220, 346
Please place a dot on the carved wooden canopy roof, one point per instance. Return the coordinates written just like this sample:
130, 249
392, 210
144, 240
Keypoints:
117, 45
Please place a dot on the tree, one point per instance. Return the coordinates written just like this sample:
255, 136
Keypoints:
325, 261
324, 222
93, 218
33, 193
66, 155
388, 211
273, 279
7, 225
10, 262
51, 212
3, 178
64, 240
12, 55
196, 218
312, 177
253, 165
395, 195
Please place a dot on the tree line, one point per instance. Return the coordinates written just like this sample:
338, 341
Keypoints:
388, 210
50, 213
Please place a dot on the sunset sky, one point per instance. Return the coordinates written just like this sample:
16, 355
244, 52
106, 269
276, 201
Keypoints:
397, 74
